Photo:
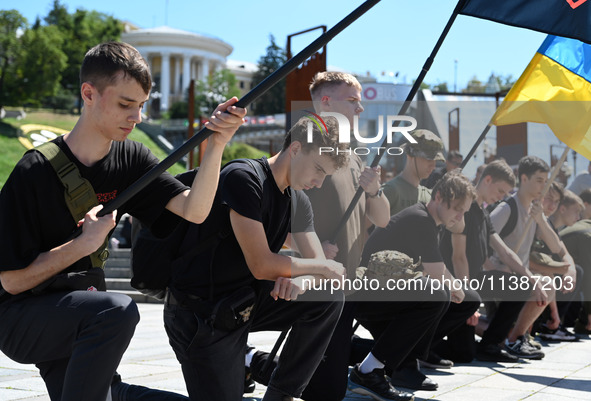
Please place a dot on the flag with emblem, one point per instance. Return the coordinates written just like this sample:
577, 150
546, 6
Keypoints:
567, 18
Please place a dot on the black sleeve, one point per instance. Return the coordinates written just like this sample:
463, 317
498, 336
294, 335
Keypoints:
426, 241
241, 190
303, 220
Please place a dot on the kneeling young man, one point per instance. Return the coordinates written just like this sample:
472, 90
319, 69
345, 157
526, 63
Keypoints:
255, 209
414, 231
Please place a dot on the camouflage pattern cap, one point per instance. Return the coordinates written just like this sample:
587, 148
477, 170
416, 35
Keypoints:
428, 146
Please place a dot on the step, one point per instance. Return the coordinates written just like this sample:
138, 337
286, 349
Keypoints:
120, 262
119, 253
118, 272
118, 284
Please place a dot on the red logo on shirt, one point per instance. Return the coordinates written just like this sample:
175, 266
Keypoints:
575, 3
104, 198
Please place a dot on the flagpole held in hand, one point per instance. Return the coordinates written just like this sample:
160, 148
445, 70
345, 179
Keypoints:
247, 99
403, 110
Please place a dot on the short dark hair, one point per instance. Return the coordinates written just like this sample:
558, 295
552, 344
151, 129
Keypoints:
559, 189
102, 64
454, 185
585, 195
328, 138
529, 165
570, 198
499, 170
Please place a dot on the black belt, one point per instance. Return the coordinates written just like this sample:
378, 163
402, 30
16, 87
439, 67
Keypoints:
169, 298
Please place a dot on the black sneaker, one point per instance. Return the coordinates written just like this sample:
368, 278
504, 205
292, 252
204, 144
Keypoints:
522, 349
412, 377
493, 353
376, 385
560, 334
434, 361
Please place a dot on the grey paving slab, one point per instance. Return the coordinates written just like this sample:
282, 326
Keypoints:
565, 373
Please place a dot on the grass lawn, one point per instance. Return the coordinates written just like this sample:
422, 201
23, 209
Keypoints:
12, 149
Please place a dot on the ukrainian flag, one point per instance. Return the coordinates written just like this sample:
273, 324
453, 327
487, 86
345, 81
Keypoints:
555, 89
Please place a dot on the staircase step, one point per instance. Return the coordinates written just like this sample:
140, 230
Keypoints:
118, 272
120, 262
119, 253
118, 284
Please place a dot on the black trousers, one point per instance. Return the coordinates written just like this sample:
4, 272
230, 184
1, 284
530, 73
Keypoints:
456, 315
401, 327
403, 330
76, 339
511, 302
563, 301
213, 360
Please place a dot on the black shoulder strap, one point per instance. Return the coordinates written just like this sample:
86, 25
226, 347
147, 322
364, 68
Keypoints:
512, 221
78, 192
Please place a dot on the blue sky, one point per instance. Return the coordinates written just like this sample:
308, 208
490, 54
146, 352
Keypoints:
394, 36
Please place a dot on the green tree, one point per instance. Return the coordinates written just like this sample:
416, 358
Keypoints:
474, 86
440, 87
219, 86
42, 63
12, 23
81, 31
273, 101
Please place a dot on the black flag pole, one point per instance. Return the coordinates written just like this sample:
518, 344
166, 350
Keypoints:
247, 99
476, 144
403, 110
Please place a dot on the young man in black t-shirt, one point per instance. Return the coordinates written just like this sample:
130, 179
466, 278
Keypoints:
76, 338
405, 321
256, 214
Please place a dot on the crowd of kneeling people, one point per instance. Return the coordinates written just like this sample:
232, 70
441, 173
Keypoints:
525, 263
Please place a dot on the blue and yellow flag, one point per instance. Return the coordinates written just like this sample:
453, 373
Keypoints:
568, 18
554, 89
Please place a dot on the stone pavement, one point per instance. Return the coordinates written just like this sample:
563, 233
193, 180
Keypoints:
565, 373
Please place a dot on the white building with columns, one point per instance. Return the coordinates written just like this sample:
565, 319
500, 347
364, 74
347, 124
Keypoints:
175, 57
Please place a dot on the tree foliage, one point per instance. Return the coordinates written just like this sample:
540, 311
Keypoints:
12, 23
81, 30
40, 65
219, 86
273, 101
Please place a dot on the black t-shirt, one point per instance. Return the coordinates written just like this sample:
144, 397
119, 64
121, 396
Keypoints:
34, 217
478, 230
239, 189
412, 231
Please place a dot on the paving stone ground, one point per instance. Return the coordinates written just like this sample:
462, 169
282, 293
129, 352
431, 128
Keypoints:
564, 374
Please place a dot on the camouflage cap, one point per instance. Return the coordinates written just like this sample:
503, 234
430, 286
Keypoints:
428, 146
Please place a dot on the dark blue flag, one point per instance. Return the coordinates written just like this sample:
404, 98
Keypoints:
568, 18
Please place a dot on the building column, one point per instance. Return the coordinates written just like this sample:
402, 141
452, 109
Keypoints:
204, 70
165, 81
177, 75
149, 60
186, 72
